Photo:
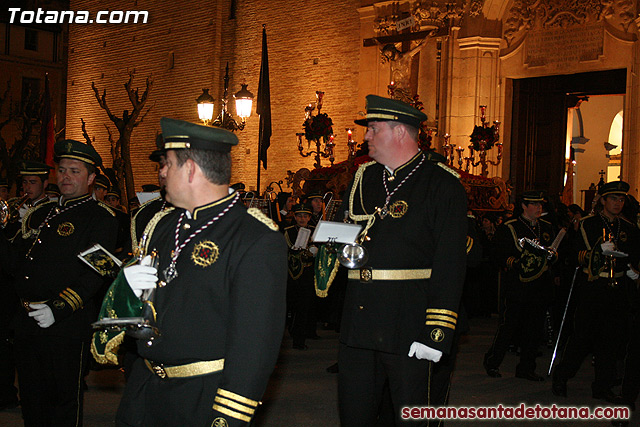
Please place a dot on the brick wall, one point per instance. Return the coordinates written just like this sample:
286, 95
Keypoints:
313, 45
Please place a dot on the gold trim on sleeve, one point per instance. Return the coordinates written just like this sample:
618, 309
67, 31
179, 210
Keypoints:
436, 323
235, 405
237, 397
442, 311
445, 318
231, 413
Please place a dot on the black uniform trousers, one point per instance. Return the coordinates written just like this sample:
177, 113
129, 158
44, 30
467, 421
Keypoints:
8, 391
362, 379
50, 369
600, 325
522, 316
302, 302
631, 379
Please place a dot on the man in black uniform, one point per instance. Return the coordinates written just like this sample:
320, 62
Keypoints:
142, 216
316, 202
528, 286
400, 310
607, 247
101, 187
53, 325
301, 292
220, 300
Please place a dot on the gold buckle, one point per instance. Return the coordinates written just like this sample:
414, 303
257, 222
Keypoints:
158, 370
366, 275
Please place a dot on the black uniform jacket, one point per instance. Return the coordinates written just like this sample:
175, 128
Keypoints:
227, 302
425, 229
46, 267
594, 229
524, 263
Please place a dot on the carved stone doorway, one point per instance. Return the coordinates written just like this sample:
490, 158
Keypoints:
539, 130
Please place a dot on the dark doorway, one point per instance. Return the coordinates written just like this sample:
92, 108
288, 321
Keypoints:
539, 131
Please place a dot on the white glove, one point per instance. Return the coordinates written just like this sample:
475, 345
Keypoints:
421, 351
42, 314
141, 277
632, 274
607, 248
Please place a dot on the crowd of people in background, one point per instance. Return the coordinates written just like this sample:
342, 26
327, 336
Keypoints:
532, 267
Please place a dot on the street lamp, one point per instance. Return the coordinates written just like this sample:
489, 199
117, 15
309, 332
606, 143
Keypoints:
244, 103
205, 106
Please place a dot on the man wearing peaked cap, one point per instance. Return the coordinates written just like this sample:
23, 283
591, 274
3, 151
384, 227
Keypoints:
316, 200
101, 186
608, 254
53, 321
35, 178
300, 287
219, 341
401, 306
528, 287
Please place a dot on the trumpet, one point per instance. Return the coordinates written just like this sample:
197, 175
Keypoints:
551, 252
10, 211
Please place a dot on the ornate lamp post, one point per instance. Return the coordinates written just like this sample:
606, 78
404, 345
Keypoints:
244, 103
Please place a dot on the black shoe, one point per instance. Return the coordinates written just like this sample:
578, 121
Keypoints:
300, 347
607, 395
531, 376
333, 369
559, 388
492, 372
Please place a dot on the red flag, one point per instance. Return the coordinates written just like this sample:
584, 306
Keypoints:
47, 132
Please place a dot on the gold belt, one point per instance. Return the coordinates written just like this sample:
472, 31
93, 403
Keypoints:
184, 371
606, 274
26, 303
369, 274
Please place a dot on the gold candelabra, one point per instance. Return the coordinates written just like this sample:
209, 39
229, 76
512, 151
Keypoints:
483, 138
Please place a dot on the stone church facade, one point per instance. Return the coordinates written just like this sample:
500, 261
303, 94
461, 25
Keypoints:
524, 60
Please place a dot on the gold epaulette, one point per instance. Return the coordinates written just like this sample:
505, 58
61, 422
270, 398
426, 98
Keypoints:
469, 243
149, 229
107, 207
26, 230
450, 170
260, 216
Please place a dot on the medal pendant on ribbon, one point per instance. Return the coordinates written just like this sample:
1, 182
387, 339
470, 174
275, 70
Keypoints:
383, 212
170, 273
